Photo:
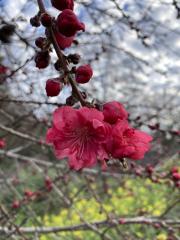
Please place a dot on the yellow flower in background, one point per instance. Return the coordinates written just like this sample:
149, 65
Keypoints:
161, 236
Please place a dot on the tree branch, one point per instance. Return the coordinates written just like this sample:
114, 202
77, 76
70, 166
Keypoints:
100, 224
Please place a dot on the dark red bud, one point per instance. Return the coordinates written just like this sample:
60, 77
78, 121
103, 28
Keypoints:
84, 74
53, 87
63, 4
149, 169
46, 20
74, 58
48, 184
57, 65
154, 127
70, 101
15, 204
122, 221
42, 59
40, 42
34, 21
76, 42
28, 193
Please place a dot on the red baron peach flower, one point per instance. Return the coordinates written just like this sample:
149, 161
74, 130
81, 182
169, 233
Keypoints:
63, 4
128, 142
68, 24
79, 135
85, 136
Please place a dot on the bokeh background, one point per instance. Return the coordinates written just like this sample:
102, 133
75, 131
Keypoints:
133, 47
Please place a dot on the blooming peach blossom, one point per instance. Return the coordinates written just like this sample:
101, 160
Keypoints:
79, 134
129, 142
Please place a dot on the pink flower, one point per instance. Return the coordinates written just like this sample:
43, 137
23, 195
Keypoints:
176, 176
29, 193
2, 143
113, 111
68, 24
122, 221
128, 142
53, 87
174, 169
63, 42
16, 204
84, 74
79, 135
63, 4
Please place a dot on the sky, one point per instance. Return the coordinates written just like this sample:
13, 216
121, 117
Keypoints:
153, 69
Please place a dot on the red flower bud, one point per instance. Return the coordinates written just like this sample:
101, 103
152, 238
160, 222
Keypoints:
42, 59
3, 73
71, 100
46, 20
3, 69
48, 184
40, 42
113, 111
122, 221
28, 193
174, 169
84, 74
53, 87
34, 21
154, 127
68, 24
74, 58
15, 204
177, 184
175, 132
57, 65
2, 143
63, 4
149, 169
63, 42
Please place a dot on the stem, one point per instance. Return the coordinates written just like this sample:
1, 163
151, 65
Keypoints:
62, 59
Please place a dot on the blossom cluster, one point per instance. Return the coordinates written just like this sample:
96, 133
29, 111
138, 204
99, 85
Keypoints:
87, 136
91, 134
65, 27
